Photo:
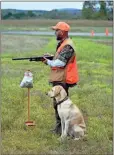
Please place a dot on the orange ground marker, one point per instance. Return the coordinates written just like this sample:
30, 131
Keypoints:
106, 32
92, 33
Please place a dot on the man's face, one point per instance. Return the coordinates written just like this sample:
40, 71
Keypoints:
59, 34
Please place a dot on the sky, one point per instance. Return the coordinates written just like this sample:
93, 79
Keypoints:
40, 5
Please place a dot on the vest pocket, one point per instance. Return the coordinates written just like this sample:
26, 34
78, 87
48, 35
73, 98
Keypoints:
57, 75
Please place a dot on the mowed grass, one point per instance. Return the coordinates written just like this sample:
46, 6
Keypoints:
93, 96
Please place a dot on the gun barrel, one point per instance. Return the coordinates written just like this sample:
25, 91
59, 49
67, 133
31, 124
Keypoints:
20, 58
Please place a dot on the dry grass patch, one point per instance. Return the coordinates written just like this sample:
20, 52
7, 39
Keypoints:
50, 22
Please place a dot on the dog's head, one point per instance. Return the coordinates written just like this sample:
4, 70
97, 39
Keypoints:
57, 91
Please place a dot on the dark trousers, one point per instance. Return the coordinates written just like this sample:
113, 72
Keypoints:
64, 85
58, 120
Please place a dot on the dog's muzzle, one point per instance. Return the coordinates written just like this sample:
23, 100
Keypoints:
49, 95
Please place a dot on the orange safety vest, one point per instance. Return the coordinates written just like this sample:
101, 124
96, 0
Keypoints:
69, 73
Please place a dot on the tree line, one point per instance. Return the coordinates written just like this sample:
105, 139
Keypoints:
91, 10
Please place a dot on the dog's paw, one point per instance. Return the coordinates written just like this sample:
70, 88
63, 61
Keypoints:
62, 138
76, 138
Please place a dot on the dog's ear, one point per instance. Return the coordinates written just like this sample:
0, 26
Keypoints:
57, 90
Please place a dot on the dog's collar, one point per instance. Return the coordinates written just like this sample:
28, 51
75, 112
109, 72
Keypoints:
62, 100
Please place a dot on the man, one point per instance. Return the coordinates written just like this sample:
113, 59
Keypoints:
63, 66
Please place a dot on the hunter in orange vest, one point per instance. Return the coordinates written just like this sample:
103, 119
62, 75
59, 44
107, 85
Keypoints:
64, 69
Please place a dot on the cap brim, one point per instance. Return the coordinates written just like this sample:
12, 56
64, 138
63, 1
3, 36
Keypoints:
54, 28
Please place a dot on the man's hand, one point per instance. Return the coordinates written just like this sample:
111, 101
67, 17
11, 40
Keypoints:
47, 54
45, 60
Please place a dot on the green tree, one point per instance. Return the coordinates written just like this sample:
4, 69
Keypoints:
103, 10
30, 13
7, 16
87, 10
109, 10
19, 15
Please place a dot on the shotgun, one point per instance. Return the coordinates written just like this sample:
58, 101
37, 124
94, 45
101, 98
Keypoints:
40, 58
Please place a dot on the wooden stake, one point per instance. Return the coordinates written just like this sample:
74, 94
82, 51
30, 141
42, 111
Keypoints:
28, 122
28, 104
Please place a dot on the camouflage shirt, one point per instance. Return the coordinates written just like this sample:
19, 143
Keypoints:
66, 52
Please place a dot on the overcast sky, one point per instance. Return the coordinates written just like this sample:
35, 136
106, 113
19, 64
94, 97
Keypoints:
40, 5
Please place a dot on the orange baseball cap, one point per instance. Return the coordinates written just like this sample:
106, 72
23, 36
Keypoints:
61, 26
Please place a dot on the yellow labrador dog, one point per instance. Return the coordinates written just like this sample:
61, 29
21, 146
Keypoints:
72, 121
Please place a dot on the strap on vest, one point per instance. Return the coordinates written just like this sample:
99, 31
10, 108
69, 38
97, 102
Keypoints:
55, 68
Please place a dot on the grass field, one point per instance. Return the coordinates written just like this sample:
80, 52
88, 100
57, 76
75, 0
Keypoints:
98, 26
93, 96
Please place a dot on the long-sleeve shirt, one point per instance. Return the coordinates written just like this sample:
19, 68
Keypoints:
63, 56
56, 63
